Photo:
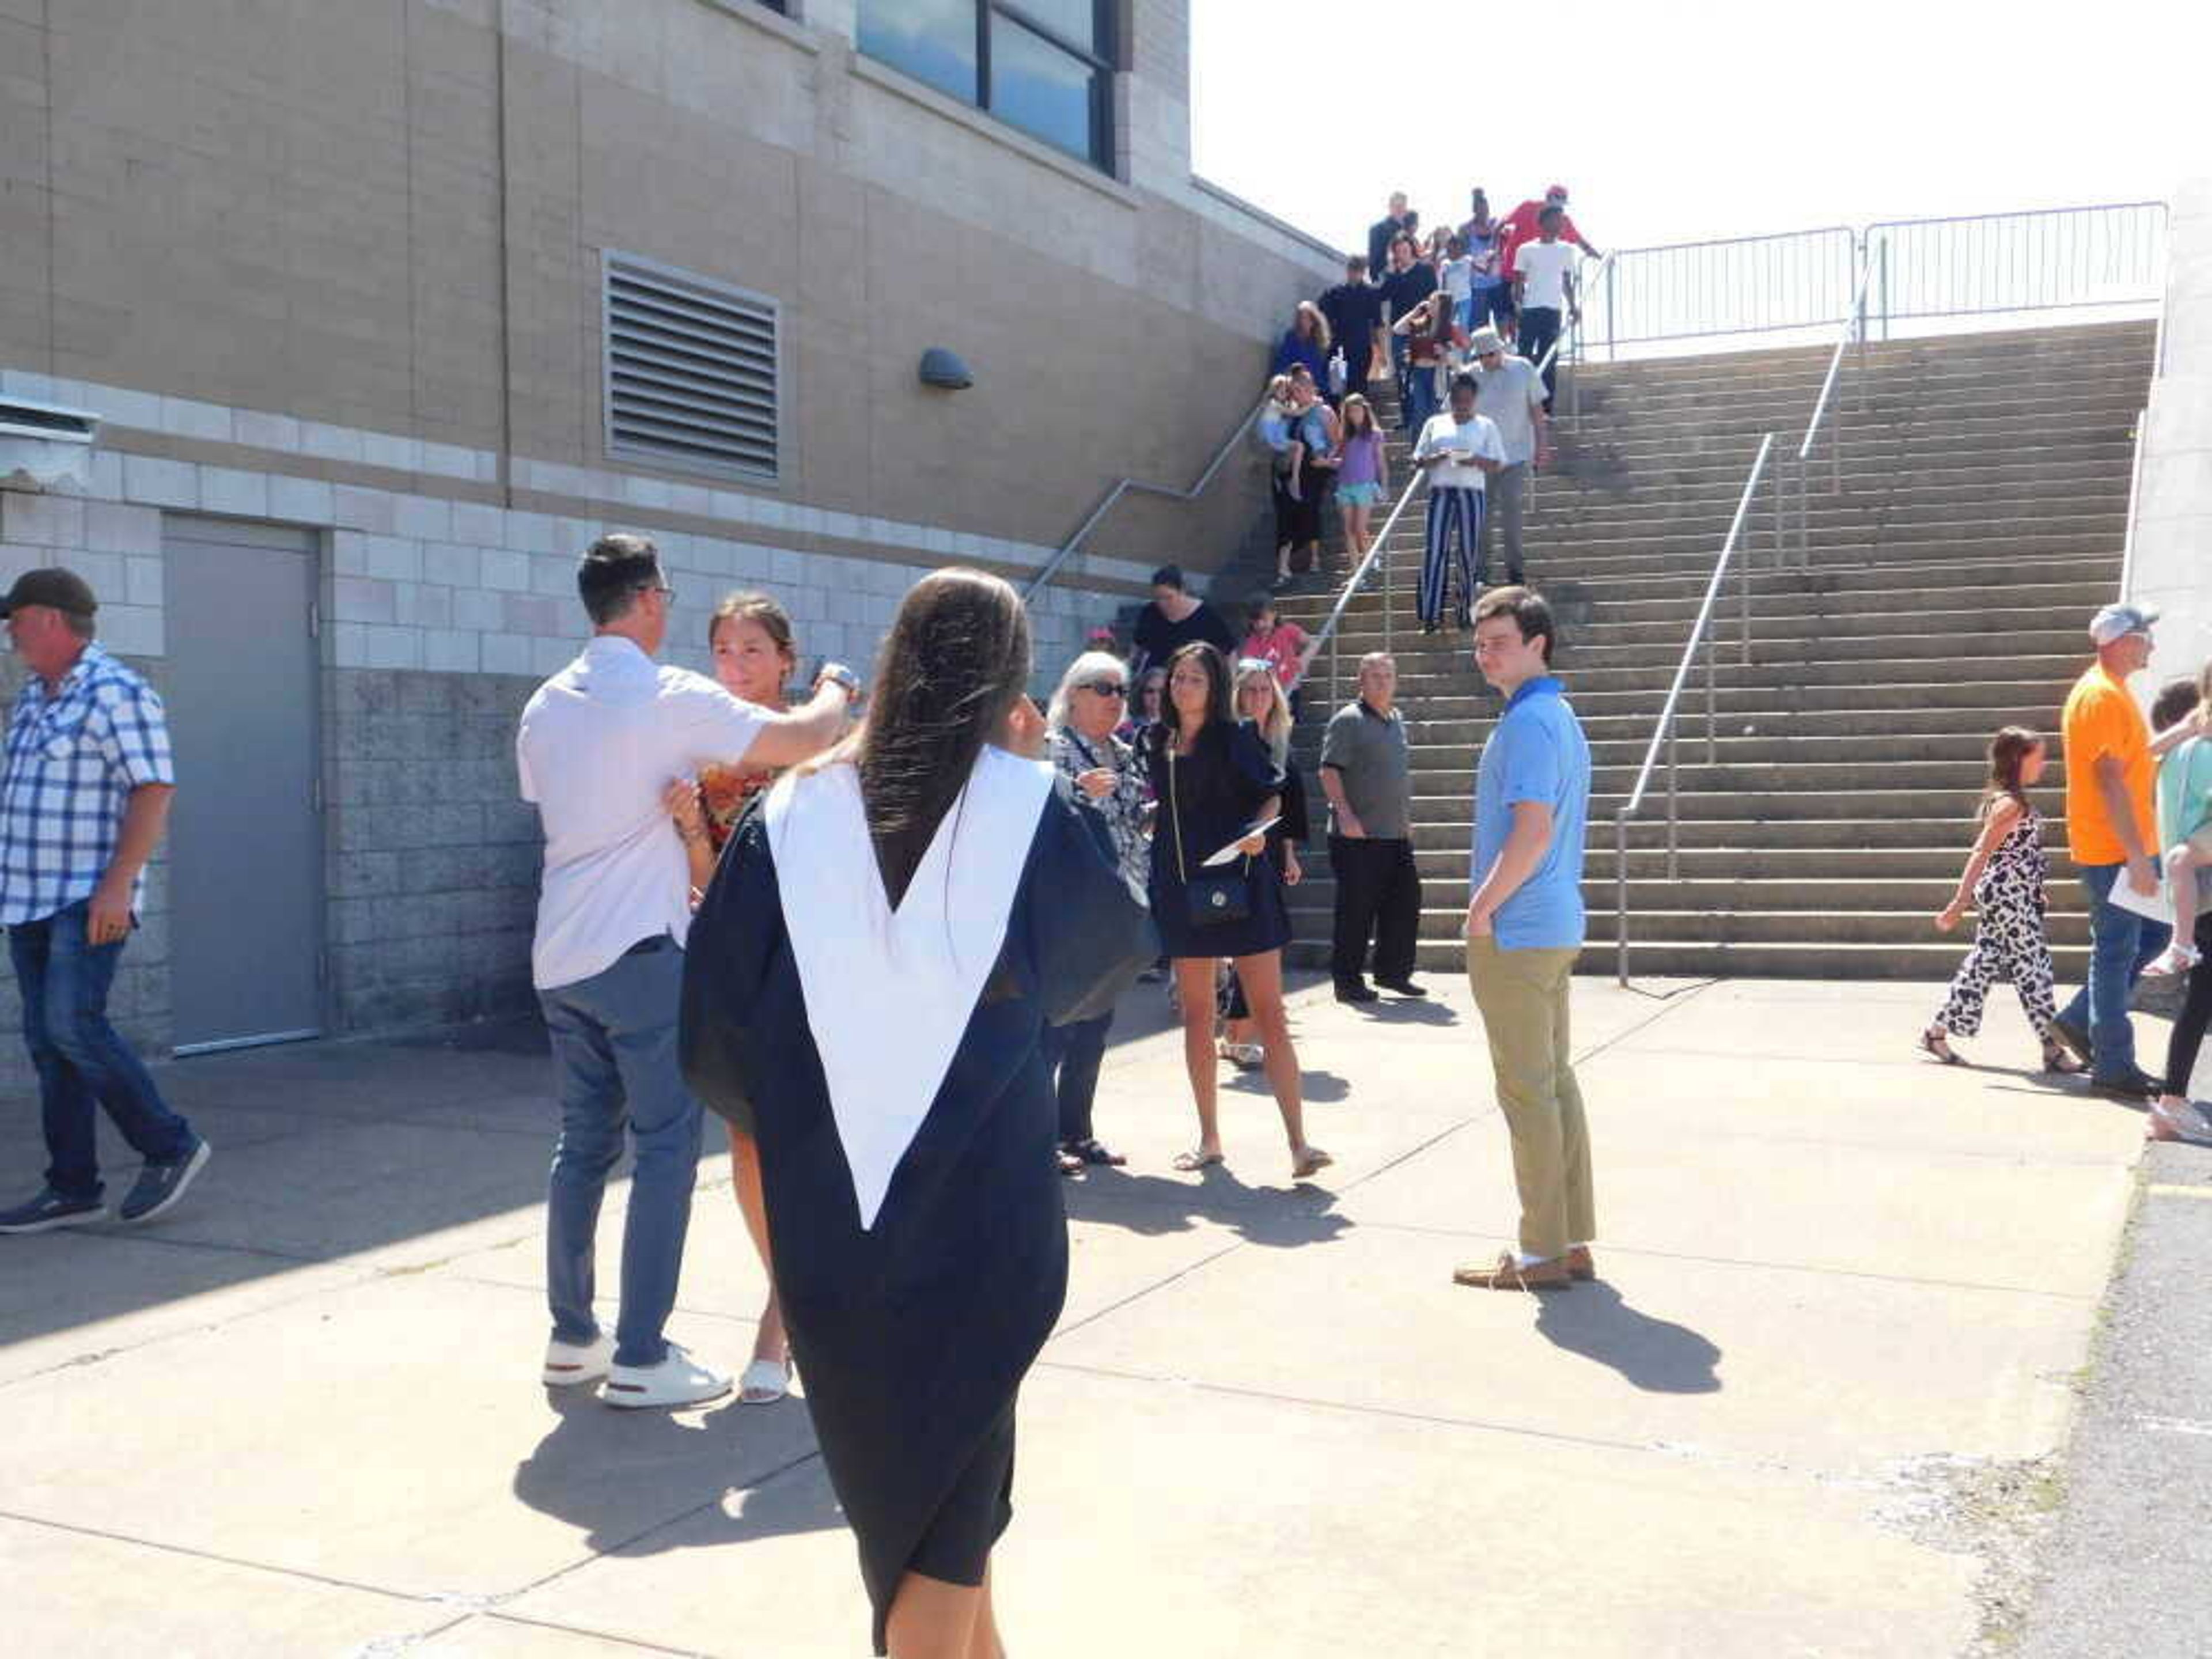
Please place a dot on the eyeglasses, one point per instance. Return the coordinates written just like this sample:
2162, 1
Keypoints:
1103, 688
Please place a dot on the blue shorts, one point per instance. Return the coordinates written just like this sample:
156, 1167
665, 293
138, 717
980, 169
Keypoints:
1359, 495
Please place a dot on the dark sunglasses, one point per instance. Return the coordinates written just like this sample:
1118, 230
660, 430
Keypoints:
1103, 688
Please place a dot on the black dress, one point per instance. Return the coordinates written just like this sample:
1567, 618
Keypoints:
914, 1207
1207, 798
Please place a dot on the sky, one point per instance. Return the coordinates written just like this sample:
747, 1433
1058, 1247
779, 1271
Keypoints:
1673, 123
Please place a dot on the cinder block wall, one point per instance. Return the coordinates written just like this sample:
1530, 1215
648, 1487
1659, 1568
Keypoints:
339, 268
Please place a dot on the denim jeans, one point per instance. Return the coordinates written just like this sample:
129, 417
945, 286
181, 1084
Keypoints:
1075, 1053
1420, 396
615, 1067
2120, 942
79, 1057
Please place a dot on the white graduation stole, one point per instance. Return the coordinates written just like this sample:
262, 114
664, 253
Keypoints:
889, 992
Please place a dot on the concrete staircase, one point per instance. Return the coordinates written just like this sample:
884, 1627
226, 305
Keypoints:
1979, 523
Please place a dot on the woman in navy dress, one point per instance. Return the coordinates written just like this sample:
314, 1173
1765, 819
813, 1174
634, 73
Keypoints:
866, 988
1213, 779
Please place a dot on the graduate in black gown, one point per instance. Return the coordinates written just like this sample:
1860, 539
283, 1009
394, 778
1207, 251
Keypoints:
866, 987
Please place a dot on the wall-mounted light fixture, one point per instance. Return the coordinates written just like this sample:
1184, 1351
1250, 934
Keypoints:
944, 369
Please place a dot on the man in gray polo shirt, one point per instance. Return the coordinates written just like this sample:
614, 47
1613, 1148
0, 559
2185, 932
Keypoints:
1367, 771
1509, 390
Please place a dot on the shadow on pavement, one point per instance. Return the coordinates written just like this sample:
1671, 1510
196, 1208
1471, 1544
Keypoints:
1312, 1085
1154, 1205
588, 1468
1656, 1355
1400, 1011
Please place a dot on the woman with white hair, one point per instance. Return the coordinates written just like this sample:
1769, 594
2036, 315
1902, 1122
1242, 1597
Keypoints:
1080, 741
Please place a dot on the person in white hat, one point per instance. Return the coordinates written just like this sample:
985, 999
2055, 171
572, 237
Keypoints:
2110, 830
1507, 389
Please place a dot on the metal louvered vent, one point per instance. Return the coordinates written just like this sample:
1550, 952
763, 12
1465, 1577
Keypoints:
693, 371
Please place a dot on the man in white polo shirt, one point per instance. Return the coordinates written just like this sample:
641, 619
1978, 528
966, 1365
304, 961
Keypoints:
600, 744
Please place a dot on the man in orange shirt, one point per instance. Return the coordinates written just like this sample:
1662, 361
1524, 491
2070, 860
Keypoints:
2110, 828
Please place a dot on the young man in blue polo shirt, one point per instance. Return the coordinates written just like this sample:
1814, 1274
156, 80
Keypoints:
1524, 930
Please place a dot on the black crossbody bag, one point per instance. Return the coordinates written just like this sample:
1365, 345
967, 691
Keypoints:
1215, 897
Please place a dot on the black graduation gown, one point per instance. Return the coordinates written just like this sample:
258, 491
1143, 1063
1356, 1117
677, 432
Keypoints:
913, 1333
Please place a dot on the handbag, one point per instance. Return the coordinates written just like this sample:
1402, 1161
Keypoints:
1217, 898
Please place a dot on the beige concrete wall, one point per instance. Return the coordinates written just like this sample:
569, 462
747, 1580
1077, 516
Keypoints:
301, 209
2172, 559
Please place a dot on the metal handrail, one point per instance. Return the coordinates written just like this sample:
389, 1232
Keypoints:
2135, 495
1850, 329
1376, 555
1853, 326
1126, 486
1663, 736
1573, 332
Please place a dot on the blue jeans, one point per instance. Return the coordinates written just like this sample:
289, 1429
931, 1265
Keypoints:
615, 1066
2120, 942
79, 1057
1076, 1052
1420, 396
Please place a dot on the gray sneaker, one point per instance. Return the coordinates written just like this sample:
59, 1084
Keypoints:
161, 1185
49, 1209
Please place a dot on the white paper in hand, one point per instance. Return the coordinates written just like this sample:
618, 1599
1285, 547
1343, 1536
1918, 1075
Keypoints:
2156, 907
1230, 854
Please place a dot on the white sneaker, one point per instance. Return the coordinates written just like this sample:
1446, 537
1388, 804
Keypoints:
570, 1363
678, 1380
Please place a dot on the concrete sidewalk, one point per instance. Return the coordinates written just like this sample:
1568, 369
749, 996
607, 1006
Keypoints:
1845, 1292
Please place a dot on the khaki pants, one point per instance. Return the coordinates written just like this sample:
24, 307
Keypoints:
1523, 996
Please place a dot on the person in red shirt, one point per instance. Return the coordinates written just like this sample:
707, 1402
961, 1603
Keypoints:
1284, 646
1520, 226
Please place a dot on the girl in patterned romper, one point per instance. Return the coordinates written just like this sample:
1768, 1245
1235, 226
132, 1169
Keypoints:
2003, 879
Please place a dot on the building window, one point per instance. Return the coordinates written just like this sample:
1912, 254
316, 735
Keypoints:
1045, 66
694, 371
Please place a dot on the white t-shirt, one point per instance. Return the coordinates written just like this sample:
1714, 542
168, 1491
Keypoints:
1477, 436
1545, 265
1458, 277
598, 745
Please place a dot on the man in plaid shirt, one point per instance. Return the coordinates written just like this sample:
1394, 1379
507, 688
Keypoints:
82, 804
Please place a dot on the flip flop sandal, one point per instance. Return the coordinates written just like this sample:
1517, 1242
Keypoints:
1312, 1163
2057, 1060
1187, 1162
1095, 1151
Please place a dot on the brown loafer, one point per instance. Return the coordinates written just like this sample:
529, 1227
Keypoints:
1580, 1265
1507, 1274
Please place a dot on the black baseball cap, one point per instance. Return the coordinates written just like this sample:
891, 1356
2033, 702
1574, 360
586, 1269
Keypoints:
60, 589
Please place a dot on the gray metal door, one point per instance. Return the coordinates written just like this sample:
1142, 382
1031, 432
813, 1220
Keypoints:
246, 833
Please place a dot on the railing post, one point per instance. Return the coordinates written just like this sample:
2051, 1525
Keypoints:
1713, 728
1620, 896
1743, 597
1610, 354
1673, 852
1882, 264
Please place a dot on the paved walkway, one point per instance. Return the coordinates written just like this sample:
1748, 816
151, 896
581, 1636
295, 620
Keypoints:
1841, 1288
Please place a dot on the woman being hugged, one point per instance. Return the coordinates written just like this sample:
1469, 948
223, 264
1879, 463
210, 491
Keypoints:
750, 635
2004, 881
1214, 779
1103, 773
866, 989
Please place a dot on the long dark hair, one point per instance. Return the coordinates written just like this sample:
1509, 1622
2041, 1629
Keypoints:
1220, 708
2009, 752
958, 656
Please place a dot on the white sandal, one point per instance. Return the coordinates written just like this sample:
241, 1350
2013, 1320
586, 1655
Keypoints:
2177, 958
764, 1382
